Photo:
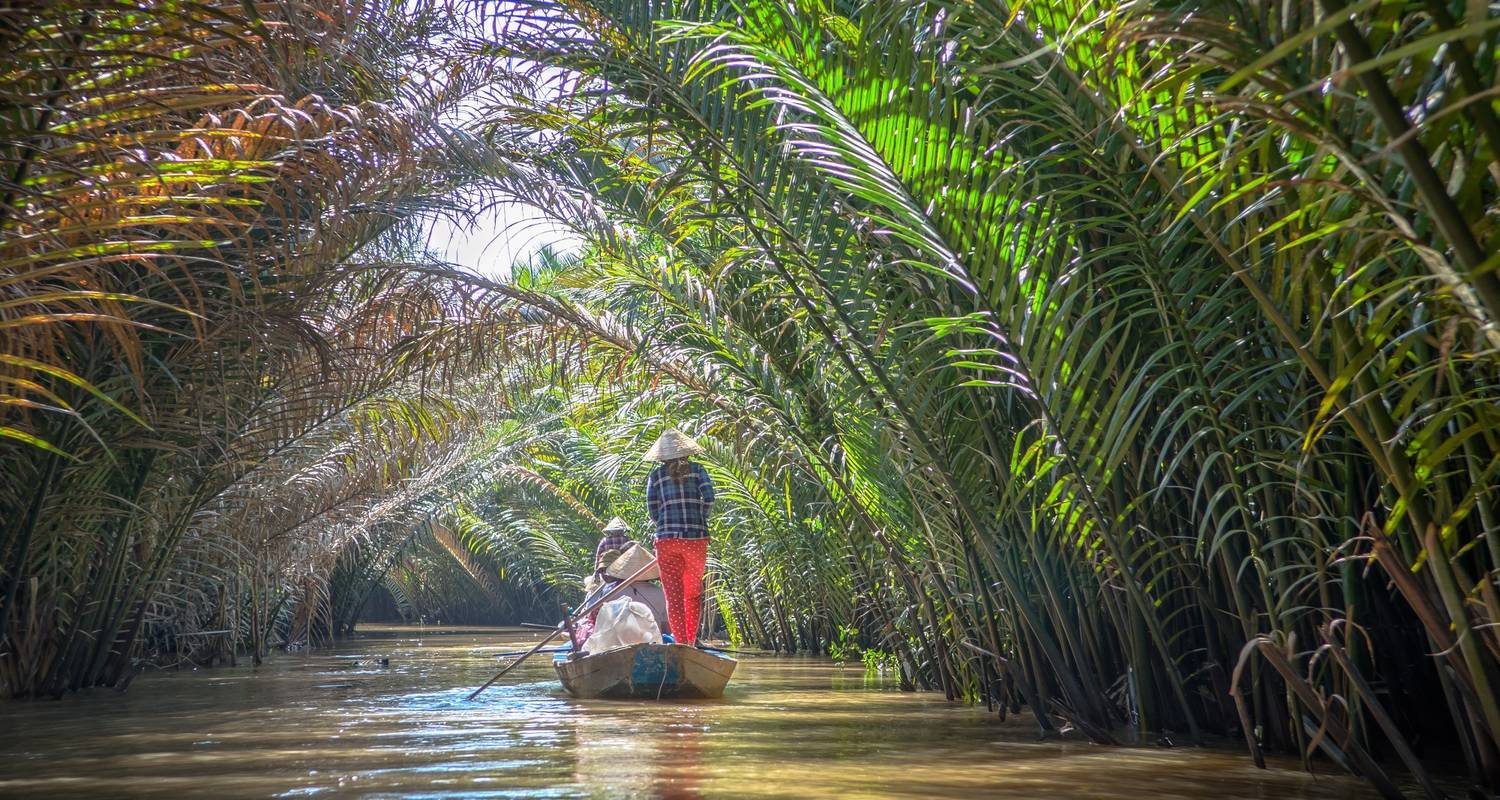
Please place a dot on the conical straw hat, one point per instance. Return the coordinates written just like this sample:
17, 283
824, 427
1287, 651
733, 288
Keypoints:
673, 444
608, 557
617, 524
630, 561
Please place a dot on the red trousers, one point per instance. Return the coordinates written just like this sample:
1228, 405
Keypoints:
681, 562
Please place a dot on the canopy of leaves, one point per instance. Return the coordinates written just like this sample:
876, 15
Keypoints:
1134, 362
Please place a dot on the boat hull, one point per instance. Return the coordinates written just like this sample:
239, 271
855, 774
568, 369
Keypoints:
646, 671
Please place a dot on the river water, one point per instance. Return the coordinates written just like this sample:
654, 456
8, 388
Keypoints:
339, 723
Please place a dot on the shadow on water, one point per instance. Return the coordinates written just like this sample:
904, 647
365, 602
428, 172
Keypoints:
343, 724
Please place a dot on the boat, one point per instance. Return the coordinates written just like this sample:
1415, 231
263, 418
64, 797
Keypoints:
645, 671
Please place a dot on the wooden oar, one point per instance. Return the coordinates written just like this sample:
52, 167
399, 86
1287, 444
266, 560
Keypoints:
515, 653
708, 648
558, 631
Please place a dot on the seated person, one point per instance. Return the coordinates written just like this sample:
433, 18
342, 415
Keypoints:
646, 588
610, 568
616, 537
593, 586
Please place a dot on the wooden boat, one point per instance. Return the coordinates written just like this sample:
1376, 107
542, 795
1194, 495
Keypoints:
645, 671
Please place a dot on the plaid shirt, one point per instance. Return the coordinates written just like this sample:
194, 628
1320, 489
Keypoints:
680, 508
611, 541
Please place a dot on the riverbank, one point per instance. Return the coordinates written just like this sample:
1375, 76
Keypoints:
338, 723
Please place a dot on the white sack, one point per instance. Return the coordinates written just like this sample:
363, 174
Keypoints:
621, 623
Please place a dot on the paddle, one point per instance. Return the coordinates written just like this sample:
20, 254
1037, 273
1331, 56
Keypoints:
515, 653
609, 595
708, 648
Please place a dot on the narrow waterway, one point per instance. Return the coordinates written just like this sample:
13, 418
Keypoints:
341, 724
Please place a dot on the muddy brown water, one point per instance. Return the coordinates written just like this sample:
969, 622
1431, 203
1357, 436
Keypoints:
337, 724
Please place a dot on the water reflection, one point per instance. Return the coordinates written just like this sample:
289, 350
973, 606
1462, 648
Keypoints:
679, 764
616, 758
340, 724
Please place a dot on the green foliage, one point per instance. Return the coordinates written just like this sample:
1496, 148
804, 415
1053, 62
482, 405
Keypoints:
844, 647
1133, 361
878, 662
1054, 342
216, 363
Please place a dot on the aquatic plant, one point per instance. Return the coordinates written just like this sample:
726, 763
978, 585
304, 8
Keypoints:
214, 376
1134, 361
1131, 362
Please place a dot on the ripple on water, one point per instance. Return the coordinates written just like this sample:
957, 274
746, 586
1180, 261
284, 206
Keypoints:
312, 725
519, 696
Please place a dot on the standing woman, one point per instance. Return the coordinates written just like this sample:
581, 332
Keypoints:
678, 496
